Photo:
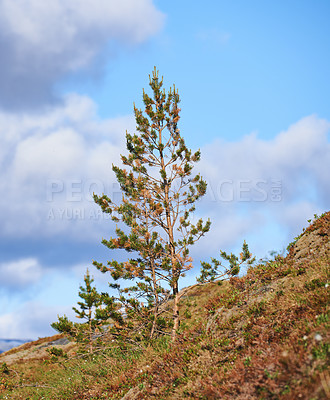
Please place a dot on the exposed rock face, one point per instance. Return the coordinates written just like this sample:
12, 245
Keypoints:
314, 241
132, 394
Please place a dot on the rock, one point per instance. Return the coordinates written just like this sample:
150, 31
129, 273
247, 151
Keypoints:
60, 342
132, 394
239, 342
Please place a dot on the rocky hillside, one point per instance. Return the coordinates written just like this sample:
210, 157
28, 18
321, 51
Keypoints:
262, 336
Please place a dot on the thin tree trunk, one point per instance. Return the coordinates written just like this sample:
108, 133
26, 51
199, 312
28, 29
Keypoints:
90, 332
154, 322
176, 320
171, 245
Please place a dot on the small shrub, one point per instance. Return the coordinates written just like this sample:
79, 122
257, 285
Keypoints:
321, 351
313, 284
56, 351
4, 369
301, 270
257, 309
247, 361
322, 318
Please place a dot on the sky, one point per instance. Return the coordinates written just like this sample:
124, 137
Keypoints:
254, 84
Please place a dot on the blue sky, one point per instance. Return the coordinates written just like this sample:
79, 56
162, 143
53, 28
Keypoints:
253, 79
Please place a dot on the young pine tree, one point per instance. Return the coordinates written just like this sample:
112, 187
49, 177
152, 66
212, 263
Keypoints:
158, 197
217, 271
96, 309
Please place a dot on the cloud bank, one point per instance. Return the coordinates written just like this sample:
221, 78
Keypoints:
41, 41
254, 181
21, 273
30, 321
51, 164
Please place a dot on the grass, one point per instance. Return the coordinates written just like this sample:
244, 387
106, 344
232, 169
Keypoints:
262, 336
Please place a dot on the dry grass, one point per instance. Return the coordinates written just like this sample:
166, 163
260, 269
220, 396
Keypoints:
263, 336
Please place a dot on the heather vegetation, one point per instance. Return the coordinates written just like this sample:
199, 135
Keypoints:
263, 335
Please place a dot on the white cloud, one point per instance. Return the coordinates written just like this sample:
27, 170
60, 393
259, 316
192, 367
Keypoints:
295, 215
28, 314
20, 273
53, 162
303, 147
30, 321
40, 41
54, 27
70, 143
255, 182
299, 147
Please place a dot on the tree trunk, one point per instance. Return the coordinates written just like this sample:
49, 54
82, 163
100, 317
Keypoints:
153, 327
176, 320
90, 333
154, 287
170, 233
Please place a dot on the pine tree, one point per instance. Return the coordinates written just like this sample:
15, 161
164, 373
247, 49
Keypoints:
158, 197
96, 309
217, 271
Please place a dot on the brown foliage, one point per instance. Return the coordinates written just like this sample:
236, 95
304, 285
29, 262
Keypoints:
263, 336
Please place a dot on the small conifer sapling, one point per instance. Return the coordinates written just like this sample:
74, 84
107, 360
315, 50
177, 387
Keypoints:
216, 271
95, 308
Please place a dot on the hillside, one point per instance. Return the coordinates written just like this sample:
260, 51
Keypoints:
7, 344
262, 336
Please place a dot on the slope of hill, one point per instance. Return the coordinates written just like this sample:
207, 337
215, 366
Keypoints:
262, 336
